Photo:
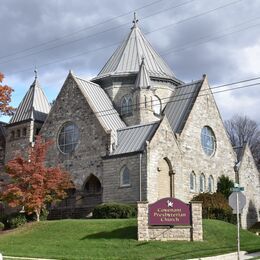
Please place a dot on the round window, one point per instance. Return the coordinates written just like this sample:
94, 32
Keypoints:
208, 140
68, 137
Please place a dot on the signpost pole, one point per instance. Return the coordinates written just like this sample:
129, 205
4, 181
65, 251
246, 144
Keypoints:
238, 226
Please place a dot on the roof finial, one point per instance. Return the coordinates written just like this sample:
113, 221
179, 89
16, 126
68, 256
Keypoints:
135, 21
35, 73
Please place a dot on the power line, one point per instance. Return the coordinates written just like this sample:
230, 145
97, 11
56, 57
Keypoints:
81, 30
113, 28
88, 36
167, 100
188, 46
175, 50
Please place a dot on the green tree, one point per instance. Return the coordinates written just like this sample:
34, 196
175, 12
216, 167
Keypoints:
224, 186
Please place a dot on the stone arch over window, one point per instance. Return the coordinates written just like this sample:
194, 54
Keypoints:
125, 177
202, 182
156, 104
92, 185
211, 184
127, 105
192, 181
165, 178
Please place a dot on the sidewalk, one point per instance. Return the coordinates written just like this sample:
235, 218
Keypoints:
231, 256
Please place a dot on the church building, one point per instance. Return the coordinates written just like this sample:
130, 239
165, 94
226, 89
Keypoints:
133, 133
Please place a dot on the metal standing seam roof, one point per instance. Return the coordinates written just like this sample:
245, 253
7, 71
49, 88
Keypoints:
34, 106
100, 104
127, 58
180, 105
133, 138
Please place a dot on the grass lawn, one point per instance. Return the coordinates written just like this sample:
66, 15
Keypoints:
116, 239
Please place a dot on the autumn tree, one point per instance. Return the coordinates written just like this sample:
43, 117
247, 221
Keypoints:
5, 98
33, 184
241, 130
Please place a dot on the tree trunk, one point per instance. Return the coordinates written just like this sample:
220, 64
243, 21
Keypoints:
37, 211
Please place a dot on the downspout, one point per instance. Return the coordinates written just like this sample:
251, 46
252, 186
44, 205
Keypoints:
140, 177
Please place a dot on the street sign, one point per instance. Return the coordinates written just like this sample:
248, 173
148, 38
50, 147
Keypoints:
237, 189
232, 201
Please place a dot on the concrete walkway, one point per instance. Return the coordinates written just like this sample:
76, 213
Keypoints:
231, 256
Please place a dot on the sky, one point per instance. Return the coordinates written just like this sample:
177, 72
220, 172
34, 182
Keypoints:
219, 38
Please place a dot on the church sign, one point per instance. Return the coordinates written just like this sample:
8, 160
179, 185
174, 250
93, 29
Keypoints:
169, 212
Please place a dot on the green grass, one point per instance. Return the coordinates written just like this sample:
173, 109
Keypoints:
116, 239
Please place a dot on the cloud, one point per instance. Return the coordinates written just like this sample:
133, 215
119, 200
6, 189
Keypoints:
206, 43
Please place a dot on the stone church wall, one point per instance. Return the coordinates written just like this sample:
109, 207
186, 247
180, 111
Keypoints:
249, 179
112, 190
71, 106
204, 113
163, 146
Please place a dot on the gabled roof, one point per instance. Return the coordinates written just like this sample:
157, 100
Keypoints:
133, 138
178, 108
34, 105
143, 79
100, 104
127, 58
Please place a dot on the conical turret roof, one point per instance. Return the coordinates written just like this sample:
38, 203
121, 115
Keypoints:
34, 105
143, 79
128, 56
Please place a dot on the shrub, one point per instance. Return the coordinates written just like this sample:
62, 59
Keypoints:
43, 216
224, 185
215, 206
15, 220
2, 226
114, 210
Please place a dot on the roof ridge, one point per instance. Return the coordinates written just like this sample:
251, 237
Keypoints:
140, 125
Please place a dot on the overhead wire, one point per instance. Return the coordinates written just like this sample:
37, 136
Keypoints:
83, 29
167, 100
155, 30
91, 35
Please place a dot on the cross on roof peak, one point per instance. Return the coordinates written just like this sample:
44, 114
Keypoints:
135, 21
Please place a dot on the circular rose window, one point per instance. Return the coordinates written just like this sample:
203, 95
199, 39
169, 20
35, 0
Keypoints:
68, 137
208, 140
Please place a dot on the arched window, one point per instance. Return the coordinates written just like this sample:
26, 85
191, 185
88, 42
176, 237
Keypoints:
202, 183
126, 105
68, 137
211, 184
124, 177
156, 103
192, 181
208, 140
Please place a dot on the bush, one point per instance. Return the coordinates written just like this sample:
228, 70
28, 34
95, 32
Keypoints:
224, 185
15, 220
114, 210
215, 206
43, 216
2, 226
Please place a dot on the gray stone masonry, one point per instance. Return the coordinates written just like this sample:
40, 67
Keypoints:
86, 159
164, 233
112, 190
249, 179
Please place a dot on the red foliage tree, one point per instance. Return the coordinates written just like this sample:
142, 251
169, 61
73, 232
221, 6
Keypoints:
5, 98
33, 184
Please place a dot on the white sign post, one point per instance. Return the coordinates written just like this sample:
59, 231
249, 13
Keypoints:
237, 201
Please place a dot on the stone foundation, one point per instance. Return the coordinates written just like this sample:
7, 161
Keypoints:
194, 232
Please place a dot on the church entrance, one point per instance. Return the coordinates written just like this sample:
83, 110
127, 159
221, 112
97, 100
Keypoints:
165, 179
92, 193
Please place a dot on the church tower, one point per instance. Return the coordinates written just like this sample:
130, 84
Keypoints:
27, 120
137, 79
